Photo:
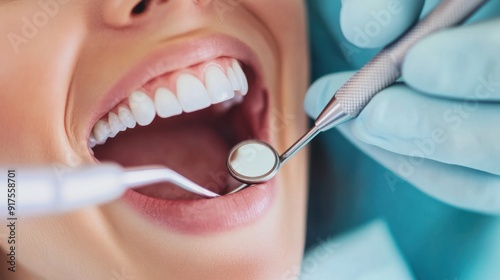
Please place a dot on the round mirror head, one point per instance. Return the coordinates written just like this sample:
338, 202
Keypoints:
253, 162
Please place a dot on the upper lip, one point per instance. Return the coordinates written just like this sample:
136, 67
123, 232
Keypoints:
165, 60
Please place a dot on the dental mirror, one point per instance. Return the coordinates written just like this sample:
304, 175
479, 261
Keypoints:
253, 162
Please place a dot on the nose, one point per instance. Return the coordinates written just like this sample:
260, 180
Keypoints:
124, 13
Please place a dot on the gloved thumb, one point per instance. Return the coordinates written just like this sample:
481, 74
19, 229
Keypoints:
376, 23
322, 91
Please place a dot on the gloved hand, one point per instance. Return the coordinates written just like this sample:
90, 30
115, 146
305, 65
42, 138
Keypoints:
440, 128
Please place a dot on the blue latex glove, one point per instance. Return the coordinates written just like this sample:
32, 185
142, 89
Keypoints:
438, 130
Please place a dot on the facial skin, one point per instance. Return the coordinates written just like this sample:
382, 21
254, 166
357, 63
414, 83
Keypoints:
49, 83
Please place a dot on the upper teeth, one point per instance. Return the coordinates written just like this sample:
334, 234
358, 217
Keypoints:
192, 95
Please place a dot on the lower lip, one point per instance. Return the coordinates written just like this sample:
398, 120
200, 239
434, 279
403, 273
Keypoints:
205, 216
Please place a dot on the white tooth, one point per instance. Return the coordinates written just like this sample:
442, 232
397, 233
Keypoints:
115, 124
126, 117
242, 78
166, 103
233, 79
218, 86
92, 141
191, 93
101, 131
142, 107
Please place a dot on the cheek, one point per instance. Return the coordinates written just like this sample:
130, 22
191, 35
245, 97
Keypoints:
288, 31
286, 24
288, 28
37, 60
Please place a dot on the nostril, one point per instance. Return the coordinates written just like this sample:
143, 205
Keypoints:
141, 7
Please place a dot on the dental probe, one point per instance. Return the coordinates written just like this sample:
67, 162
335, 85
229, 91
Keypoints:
49, 191
380, 72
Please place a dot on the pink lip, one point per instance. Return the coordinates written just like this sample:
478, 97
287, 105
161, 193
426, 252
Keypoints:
205, 216
200, 216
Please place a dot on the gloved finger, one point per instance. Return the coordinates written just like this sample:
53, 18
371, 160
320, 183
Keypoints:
322, 90
462, 62
455, 185
403, 121
376, 23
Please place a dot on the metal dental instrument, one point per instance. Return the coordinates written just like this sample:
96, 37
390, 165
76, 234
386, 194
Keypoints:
247, 162
50, 191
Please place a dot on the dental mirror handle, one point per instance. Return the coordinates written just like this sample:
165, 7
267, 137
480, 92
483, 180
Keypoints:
43, 191
383, 70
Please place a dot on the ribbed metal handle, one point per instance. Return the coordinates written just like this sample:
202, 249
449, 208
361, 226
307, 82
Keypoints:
385, 68
379, 73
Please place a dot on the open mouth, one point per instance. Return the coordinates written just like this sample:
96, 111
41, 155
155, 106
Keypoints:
204, 96
186, 120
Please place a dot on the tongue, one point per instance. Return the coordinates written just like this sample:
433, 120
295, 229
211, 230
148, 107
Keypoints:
197, 152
